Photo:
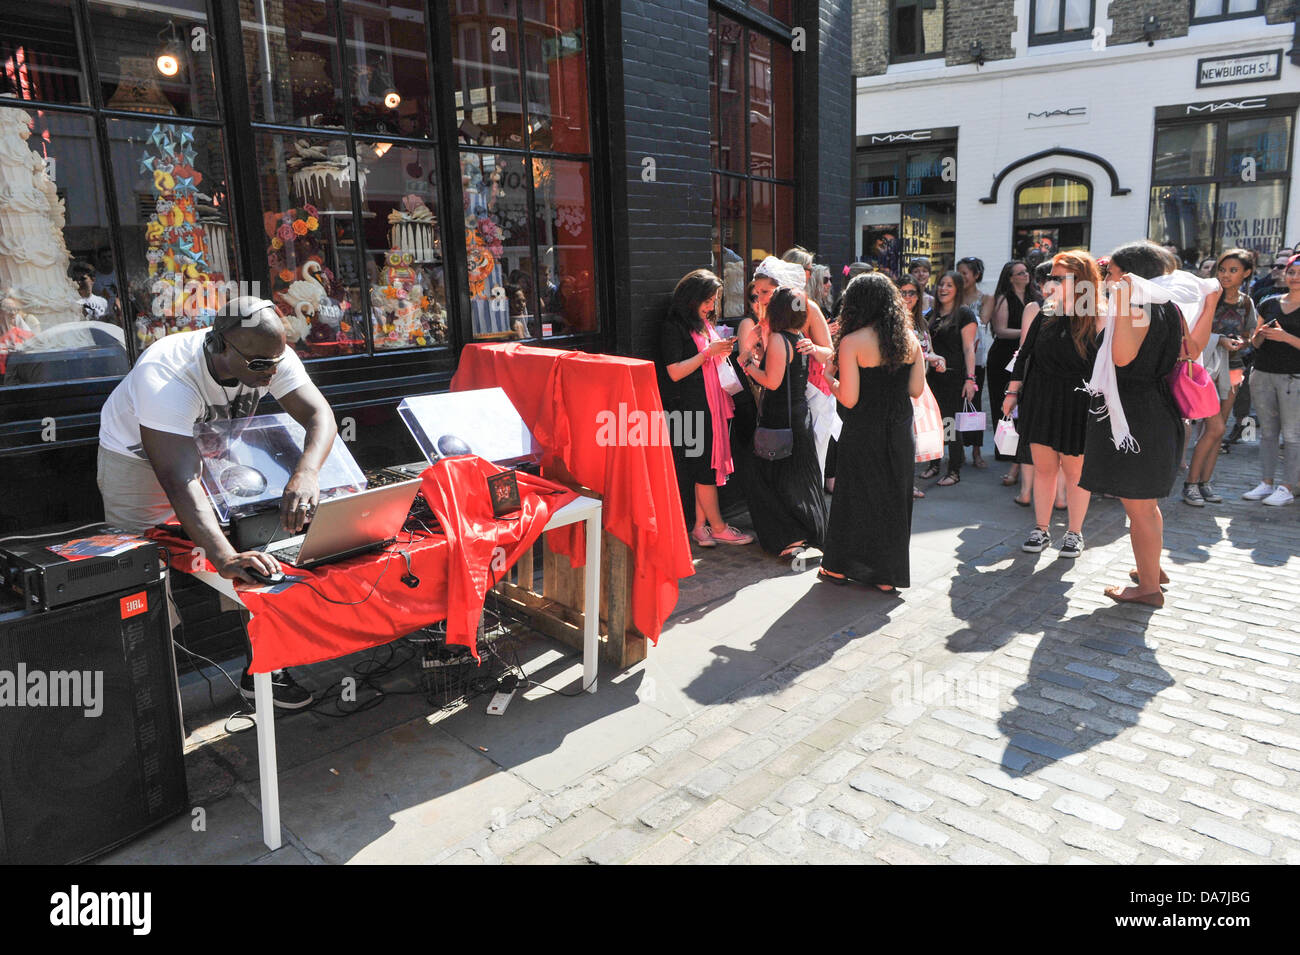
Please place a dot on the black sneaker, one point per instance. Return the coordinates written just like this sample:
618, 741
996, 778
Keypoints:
1037, 542
1072, 545
1192, 495
1208, 495
287, 694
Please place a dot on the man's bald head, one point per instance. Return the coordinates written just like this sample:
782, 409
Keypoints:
253, 321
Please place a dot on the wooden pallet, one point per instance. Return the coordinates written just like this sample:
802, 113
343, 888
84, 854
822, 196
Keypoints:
556, 609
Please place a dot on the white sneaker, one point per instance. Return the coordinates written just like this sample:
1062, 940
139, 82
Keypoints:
1279, 497
1261, 491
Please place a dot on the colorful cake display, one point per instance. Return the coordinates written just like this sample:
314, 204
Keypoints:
322, 179
406, 310
33, 256
413, 230
313, 303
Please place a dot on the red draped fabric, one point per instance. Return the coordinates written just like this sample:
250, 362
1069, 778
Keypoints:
361, 602
574, 402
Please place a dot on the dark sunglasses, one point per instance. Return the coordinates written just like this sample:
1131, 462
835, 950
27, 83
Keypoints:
257, 364
753, 298
908, 293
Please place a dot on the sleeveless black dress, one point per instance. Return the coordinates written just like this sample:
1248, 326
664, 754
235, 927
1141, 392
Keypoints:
870, 526
1153, 419
786, 502
1000, 354
1055, 413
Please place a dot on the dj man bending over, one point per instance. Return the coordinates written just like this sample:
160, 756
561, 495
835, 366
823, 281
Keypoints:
149, 465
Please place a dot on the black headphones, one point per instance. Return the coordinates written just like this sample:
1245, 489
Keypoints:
236, 311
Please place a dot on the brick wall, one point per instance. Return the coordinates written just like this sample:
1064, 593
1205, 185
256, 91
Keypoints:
1275, 11
992, 22
658, 108
870, 37
834, 155
1127, 17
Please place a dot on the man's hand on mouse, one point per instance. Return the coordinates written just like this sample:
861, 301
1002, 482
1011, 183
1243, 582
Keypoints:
236, 567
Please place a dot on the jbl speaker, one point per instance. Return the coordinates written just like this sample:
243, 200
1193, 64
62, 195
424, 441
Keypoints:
90, 728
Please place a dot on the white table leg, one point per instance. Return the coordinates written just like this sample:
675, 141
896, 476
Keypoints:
266, 766
591, 604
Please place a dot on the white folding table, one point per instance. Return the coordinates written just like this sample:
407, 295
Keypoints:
586, 509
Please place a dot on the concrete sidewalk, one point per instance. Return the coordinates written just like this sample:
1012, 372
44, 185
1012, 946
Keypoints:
1000, 710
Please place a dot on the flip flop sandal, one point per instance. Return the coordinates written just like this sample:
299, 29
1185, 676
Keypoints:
917, 494
949, 479
831, 578
930, 473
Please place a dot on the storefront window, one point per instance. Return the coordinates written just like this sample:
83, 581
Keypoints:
1053, 214
55, 227
402, 247
1221, 183
878, 229
38, 53
753, 188
154, 58
890, 234
930, 229
291, 52
175, 237
311, 240
529, 230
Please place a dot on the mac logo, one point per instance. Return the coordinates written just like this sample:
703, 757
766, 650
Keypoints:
1053, 113
1255, 102
919, 135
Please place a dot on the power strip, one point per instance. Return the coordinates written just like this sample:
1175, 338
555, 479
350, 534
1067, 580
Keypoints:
501, 699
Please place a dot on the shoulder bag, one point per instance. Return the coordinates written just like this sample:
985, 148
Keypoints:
776, 444
1194, 391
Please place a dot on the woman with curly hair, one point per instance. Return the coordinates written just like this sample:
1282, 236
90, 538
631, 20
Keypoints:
881, 368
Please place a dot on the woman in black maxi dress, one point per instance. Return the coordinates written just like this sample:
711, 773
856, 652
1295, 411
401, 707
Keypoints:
952, 337
786, 502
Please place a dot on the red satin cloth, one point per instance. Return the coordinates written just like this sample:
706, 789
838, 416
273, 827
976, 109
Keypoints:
560, 394
297, 626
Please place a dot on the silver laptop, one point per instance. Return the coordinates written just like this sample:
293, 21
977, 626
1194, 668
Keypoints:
344, 526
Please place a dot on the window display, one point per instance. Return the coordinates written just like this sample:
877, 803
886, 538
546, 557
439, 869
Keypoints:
154, 58
38, 53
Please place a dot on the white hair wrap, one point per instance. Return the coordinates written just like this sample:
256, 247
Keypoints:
785, 274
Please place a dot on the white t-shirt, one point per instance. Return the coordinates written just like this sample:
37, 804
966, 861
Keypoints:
170, 389
94, 307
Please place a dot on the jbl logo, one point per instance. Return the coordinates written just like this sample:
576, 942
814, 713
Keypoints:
134, 604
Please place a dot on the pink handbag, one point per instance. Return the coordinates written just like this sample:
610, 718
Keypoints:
1194, 392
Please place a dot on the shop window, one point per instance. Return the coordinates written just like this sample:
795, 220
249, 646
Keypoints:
387, 70
780, 9
890, 234
529, 230
177, 257
154, 58
1206, 11
38, 53
752, 150
1058, 21
291, 52
1221, 183
1052, 214
878, 230
929, 229
915, 30
55, 327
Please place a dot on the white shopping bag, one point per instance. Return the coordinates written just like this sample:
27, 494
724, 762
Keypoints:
1006, 439
971, 420
927, 425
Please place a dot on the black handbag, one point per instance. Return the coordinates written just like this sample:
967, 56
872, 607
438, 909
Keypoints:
775, 444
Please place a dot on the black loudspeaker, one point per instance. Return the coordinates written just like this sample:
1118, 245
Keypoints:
74, 785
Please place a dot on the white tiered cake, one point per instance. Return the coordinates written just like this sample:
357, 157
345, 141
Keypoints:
33, 256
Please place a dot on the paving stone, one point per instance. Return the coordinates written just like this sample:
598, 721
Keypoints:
854, 805
675, 769
565, 803
874, 737
628, 767
709, 821
830, 734
1125, 752
895, 765
709, 782
1171, 842
943, 757
983, 828
1265, 775
1232, 835
953, 789
1075, 782
1286, 759
909, 829
1021, 787
662, 814
615, 846
1019, 812
671, 848
968, 723
974, 855
751, 752
1132, 777
717, 743
1281, 826
794, 760
1171, 767
1269, 797
837, 830
1192, 715
753, 789
673, 742
581, 829
515, 836
838, 766
1091, 812
1095, 842
721, 851
895, 854
757, 822
533, 854
1001, 755
1229, 744
786, 840
891, 791
797, 792
630, 798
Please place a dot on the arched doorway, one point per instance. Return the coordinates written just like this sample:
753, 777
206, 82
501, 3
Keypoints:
1053, 212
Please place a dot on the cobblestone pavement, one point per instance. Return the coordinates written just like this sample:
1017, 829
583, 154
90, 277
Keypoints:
1007, 713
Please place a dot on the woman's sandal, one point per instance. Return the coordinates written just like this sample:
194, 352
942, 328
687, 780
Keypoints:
1023, 503
917, 493
930, 473
830, 578
949, 479
1009, 481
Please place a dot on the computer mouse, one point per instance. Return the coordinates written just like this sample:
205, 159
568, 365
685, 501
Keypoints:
243, 481
261, 578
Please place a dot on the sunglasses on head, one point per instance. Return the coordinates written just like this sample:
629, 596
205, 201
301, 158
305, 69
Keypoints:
257, 364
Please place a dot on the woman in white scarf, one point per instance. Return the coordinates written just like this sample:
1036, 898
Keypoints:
1135, 432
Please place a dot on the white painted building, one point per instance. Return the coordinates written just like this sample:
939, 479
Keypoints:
1192, 139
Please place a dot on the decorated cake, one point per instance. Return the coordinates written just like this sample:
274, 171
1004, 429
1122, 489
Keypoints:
33, 256
412, 230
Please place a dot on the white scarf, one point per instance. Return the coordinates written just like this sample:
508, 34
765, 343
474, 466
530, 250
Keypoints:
1185, 290
785, 274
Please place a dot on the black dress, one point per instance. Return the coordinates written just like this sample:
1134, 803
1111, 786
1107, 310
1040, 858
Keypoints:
1000, 354
786, 502
687, 397
871, 512
1053, 373
946, 341
1153, 419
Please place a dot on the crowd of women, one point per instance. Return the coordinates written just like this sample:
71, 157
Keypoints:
1106, 373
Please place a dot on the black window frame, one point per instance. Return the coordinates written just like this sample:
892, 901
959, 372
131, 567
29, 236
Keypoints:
1220, 175
946, 146
750, 22
1223, 15
1061, 35
895, 57
1017, 223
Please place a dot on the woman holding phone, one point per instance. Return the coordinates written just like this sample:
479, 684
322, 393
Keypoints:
1275, 388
